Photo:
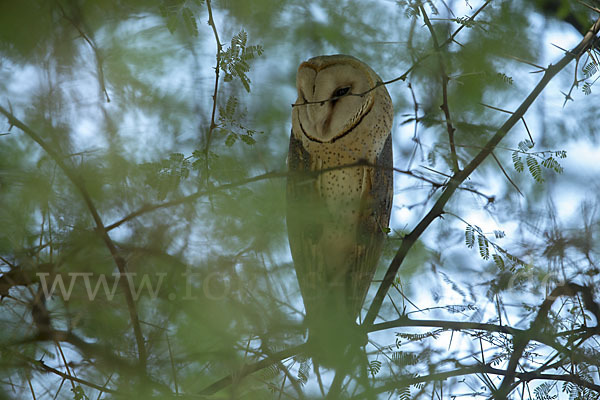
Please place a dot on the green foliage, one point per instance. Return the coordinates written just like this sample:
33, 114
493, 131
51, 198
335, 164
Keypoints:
230, 126
78, 393
548, 160
576, 392
467, 22
89, 187
590, 69
374, 367
505, 78
165, 176
403, 393
304, 370
403, 358
542, 392
534, 168
177, 11
415, 337
234, 60
587, 88
474, 235
499, 261
411, 8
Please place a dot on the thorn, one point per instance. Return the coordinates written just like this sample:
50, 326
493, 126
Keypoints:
567, 98
496, 108
588, 6
565, 50
526, 62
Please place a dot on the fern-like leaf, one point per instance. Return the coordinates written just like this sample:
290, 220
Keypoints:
525, 145
590, 69
499, 261
587, 88
534, 169
374, 367
517, 162
469, 236
484, 249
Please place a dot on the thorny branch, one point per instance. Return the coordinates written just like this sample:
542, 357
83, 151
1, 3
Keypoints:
213, 125
39, 364
94, 48
459, 177
274, 175
405, 321
521, 341
444, 76
478, 369
405, 74
79, 184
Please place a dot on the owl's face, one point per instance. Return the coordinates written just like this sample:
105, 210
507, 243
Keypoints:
323, 78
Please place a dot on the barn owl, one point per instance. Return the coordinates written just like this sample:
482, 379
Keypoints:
339, 190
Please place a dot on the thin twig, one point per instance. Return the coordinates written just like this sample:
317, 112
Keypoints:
271, 175
415, 137
510, 112
471, 18
458, 178
589, 6
444, 76
540, 68
521, 341
172, 364
213, 125
250, 368
94, 48
405, 74
45, 367
79, 184
506, 174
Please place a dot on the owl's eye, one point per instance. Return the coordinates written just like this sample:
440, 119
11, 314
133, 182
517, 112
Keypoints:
341, 91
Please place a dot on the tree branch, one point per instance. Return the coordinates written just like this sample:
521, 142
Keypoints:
478, 369
460, 176
405, 74
100, 228
274, 175
521, 341
251, 368
406, 321
94, 48
212, 126
445, 107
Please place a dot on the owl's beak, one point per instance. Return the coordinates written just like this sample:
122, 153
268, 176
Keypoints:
319, 114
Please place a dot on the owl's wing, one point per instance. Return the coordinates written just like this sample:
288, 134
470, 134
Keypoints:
306, 216
303, 225
382, 188
376, 206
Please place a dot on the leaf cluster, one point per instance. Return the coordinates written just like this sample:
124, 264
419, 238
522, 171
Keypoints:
548, 160
234, 59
